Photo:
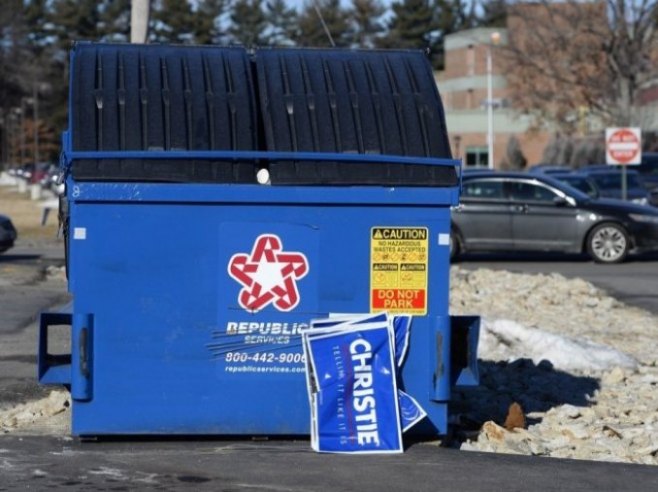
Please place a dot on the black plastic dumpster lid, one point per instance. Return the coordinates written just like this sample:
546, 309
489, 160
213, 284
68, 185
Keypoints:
160, 98
356, 102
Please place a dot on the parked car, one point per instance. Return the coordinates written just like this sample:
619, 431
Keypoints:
579, 181
648, 169
7, 233
609, 182
53, 181
549, 169
523, 212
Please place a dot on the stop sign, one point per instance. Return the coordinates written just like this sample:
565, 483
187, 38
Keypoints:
623, 145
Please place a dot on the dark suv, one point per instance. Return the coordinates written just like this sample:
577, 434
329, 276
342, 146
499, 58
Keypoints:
609, 182
649, 170
7, 233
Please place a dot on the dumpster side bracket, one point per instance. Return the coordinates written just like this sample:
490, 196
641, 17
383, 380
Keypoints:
53, 368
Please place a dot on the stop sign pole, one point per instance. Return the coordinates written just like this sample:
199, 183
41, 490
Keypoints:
623, 147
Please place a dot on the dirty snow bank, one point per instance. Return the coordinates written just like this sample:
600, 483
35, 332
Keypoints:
582, 365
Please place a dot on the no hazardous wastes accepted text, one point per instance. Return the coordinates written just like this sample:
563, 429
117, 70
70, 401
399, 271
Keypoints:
398, 269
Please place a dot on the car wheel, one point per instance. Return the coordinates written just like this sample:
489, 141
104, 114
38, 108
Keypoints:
608, 243
455, 245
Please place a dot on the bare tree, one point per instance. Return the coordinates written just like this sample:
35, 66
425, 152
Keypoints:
574, 152
558, 151
569, 58
514, 158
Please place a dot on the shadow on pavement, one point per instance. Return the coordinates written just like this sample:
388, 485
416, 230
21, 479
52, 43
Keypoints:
8, 258
536, 387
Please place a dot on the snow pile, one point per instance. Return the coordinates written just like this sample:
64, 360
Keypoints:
579, 367
508, 340
566, 307
46, 412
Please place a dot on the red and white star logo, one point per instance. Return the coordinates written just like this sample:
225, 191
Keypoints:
268, 275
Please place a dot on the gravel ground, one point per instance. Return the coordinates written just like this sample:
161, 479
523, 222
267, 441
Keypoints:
585, 412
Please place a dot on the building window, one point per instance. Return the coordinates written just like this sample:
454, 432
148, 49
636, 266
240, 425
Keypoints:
477, 156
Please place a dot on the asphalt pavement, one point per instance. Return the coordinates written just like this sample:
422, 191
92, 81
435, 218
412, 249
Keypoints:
40, 462
48, 463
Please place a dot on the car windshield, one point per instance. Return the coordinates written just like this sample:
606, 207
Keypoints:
566, 188
581, 184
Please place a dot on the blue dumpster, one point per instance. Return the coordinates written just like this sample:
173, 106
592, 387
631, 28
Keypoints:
191, 281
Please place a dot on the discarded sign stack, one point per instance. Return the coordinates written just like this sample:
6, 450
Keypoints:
352, 366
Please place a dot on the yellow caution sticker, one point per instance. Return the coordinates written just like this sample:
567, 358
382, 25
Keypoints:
398, 269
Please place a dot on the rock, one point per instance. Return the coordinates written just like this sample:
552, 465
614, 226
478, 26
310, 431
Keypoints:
616, 376
558, 442
569, 411
587, 415
515, 417
576, 431
493, 432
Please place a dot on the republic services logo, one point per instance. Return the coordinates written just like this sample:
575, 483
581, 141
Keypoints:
268, 275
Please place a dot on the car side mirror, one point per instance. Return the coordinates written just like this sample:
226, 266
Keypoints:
560, 201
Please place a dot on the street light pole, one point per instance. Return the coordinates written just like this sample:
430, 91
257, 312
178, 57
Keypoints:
35, 101
139, 20
495, 37
3, 141
21, 111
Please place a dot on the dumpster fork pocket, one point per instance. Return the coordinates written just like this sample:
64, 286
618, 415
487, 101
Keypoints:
73, 370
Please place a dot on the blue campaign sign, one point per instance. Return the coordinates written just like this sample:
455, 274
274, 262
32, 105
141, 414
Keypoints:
401, 328
356, 403
402, 331
410, 411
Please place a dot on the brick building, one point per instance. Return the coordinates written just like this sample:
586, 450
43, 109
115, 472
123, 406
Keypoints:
463, 86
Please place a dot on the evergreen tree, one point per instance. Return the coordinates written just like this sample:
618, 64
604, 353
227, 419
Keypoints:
454, 15
412, 25
172, 21
494, 13
366, 20
208, 15
423, 24
35, 18
248, 22
10, 58
336, 20
114, 20
451, 16
282, 23
73, 20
